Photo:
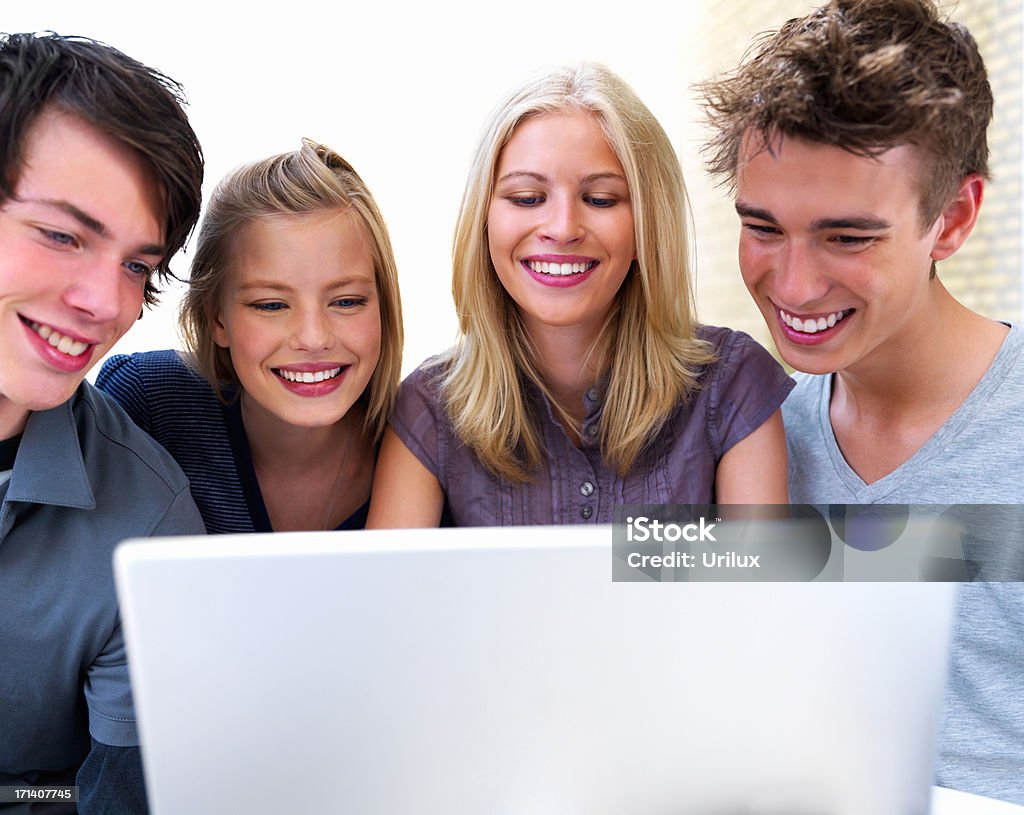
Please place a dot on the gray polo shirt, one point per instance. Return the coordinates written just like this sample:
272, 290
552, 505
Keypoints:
85, 478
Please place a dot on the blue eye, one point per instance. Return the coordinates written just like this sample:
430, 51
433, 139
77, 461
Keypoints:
59, 238
349, 302
269, 307
600, 201
526, 200
137, 267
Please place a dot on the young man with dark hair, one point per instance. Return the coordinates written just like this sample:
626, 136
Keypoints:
100, 184
854, 140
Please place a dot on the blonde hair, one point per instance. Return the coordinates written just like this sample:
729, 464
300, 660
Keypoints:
311, 179
652, 357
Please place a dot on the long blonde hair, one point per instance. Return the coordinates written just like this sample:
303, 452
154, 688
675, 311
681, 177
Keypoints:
653, 359
311, 179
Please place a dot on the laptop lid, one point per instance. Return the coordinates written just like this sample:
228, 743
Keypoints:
502, 671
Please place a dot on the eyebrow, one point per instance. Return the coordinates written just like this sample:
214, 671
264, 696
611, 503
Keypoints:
275, 285
864, 223
543, 179
94, 225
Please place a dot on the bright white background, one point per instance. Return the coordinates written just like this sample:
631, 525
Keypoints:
399, 89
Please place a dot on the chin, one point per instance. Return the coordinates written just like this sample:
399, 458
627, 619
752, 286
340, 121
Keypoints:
808, 364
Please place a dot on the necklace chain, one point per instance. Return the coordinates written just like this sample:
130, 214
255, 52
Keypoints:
337, 480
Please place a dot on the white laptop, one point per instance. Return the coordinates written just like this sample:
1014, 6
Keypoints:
502, 672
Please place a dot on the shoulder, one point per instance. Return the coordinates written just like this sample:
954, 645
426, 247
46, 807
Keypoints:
740, 388
1013, 351
165, 370
808, 437
735, 347
428, 374
113, 443
163, 394
422, 387
742, 363
800, 410
420, 419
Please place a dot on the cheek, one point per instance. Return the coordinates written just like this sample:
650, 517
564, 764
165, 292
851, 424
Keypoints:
752, 260
626, 236
504, 232
132, 298
363, 336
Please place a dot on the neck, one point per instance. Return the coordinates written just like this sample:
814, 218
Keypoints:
13, 419
930, 367
570, 359
282, 445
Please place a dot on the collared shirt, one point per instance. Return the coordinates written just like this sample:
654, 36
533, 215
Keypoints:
738, 392
85, 478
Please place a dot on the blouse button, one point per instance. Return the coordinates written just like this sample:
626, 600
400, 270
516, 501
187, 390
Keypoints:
592, 394
587, 488
586, 512
592, 430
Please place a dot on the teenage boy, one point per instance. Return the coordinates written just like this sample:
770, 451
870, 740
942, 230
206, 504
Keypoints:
854, 140
100, 181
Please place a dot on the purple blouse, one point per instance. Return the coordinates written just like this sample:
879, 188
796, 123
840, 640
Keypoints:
739, 391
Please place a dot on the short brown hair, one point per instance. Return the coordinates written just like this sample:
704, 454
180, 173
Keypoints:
311, 179
135, 104
866, 76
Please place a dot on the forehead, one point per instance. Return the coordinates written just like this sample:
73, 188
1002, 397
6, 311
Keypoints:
557, 139
304, 247
66, 159
797, 176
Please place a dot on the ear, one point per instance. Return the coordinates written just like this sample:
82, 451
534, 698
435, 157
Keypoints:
218, 329
959, 217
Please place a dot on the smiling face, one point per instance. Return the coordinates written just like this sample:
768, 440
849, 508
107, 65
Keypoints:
300, 317
833, 252
560, 222
78, 241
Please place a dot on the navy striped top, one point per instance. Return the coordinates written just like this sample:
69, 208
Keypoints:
177, 407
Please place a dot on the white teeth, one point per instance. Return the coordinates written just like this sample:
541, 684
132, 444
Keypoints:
308, 376
61, 342
543, 267
811, 325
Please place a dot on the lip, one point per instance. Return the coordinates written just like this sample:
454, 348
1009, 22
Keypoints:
53, 357
559, 281
312, 389
817, 338
549, 258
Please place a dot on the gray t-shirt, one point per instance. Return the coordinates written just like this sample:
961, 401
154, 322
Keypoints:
739, 391
976, 457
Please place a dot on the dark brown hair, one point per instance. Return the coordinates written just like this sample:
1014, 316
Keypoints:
135, 104
866, 76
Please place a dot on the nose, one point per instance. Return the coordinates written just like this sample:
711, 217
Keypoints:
312, 330
563, 223
98, 292
800, 277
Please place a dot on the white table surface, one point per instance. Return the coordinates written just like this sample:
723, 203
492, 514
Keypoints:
952, 802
